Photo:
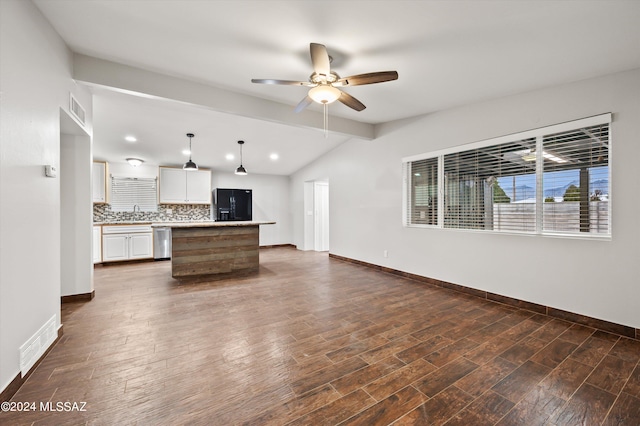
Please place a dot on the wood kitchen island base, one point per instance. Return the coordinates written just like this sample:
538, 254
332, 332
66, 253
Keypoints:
229, 248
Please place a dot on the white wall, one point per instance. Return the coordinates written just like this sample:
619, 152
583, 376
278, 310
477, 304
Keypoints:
600, 279
270, 202
35, 81
76, 215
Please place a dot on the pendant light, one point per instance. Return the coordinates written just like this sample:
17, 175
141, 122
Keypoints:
241, 170
190, 165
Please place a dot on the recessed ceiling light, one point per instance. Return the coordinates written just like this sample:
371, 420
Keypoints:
274, 156
130, 138
229, 157
186, 152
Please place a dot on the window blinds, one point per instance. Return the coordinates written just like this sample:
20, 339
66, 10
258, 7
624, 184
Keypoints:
552, 180
491, 188
576, 181
422, 205
127, 193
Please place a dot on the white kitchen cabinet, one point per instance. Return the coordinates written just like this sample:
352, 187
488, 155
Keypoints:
199, 187
179, 186
140, 246
115, 247
97, 244
100, 170
126, 242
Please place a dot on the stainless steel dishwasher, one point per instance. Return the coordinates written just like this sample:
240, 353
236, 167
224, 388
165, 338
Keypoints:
161, 243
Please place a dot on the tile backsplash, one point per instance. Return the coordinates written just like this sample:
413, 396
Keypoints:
179, 212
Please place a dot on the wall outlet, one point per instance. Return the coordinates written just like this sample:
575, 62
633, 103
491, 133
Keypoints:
169, 211
385, 253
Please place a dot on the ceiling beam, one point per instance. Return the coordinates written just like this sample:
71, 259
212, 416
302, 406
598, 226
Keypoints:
99, 72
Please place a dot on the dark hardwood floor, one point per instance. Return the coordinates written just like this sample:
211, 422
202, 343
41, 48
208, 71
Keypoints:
316, 341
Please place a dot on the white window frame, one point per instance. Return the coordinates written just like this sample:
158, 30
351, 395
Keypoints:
537, 133
146, 204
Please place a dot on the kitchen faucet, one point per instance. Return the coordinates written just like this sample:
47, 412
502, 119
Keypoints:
134, 208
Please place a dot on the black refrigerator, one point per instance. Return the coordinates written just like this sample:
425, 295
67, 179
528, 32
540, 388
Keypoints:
233, 204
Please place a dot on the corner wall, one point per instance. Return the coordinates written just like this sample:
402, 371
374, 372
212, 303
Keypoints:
594, 278
76, 262
35, 81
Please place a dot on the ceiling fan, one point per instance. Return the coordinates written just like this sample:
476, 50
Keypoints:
325, 83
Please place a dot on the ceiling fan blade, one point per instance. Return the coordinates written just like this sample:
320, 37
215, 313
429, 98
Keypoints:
320, 59
368, 78
284, 82
303, 104
351, 102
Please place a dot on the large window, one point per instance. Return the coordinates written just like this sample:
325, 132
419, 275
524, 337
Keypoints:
548, 180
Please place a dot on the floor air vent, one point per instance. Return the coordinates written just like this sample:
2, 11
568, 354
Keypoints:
37, 345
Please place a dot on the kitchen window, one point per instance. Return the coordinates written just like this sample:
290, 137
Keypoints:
134, 194
552, 180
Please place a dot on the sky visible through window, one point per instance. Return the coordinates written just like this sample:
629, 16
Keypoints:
554, 183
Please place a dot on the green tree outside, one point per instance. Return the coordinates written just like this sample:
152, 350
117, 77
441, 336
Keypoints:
499, 196
571, 194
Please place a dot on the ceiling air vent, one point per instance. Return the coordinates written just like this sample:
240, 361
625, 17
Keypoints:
76, 109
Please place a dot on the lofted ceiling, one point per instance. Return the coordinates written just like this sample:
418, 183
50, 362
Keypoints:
447, 54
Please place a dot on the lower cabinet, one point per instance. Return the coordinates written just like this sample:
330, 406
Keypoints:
97, 244
124, 242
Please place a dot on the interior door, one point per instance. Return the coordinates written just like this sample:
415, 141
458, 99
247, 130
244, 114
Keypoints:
321, 213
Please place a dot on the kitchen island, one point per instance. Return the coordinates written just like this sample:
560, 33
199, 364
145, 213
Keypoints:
213, 248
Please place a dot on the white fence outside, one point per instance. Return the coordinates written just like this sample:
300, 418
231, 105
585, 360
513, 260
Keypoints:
557, 217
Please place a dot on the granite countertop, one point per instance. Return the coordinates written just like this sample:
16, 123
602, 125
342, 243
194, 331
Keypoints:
147, 222
185, 223
210, 224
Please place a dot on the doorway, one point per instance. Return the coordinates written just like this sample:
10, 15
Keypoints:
321, 216
316, 207
76, 209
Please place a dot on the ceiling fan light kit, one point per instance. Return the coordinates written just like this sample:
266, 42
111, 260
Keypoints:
324, 94
325, 83
190, 165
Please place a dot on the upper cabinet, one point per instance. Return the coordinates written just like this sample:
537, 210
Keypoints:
179, 186
100, 170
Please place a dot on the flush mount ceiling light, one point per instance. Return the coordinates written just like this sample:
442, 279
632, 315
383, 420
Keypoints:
135, 162
190, 165
241, 170
130, 138
325, 83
